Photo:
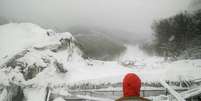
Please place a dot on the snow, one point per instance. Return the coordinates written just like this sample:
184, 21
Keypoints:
8, 75
159, 98
30, 35
172, 91
62, 92
16, 37
192, 92
54, 39
59, 99
94, 98
35, 94
6, 95
183, 70
154, 70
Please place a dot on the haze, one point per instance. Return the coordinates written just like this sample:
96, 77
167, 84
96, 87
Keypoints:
129, 15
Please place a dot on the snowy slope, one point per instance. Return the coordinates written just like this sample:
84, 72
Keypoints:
32, 37
33, 57
15, 37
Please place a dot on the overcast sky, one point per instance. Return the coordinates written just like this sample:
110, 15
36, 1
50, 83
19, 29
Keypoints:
130, 15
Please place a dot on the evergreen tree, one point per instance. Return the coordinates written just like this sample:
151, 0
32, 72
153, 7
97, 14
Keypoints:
178, 35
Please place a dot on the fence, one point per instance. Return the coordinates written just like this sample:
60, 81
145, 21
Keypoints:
118, 93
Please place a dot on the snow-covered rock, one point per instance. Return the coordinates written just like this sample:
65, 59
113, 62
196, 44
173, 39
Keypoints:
33, 59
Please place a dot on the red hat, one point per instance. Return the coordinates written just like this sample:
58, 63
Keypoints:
131, 85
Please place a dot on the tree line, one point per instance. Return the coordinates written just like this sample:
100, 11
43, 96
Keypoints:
178, 36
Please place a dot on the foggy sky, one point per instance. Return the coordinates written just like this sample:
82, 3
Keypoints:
130, 15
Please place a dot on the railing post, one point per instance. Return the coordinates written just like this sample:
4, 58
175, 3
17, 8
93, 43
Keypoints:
166, 91
143, 93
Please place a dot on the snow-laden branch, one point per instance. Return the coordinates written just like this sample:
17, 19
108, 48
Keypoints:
172, 91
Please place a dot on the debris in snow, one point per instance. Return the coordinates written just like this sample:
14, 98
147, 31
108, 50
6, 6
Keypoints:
50, 32
59, 67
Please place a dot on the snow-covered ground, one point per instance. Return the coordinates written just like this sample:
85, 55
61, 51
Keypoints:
16, 37
47, 50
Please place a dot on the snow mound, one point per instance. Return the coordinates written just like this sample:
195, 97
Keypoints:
34, 59
183, 70
46, 53
17, 36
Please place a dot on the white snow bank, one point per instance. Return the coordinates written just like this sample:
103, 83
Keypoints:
34, 94
17, 36
94, 98
113, 72
183, 70
59, 99
55, 39
8, 75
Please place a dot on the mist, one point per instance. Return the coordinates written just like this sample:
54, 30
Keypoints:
135, 16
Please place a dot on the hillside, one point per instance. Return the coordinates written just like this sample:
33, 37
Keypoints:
35, 61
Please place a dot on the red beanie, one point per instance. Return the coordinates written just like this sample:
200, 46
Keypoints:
131, 85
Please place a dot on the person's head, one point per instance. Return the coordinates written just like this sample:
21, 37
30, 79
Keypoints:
131, 85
